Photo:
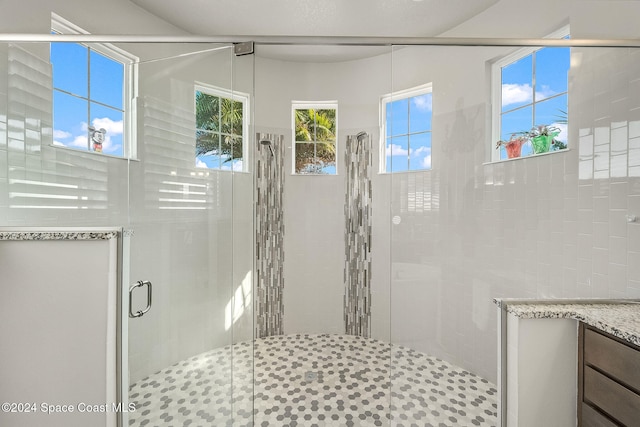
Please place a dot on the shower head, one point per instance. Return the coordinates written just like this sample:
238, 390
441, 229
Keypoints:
268, 143
359, 137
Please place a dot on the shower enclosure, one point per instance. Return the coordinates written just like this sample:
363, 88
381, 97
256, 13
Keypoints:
360, 298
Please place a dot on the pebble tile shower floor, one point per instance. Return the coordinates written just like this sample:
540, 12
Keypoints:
314, 380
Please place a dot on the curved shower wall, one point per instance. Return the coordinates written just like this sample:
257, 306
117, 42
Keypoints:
314, 206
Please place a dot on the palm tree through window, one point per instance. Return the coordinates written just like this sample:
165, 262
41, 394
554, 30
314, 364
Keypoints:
315, 139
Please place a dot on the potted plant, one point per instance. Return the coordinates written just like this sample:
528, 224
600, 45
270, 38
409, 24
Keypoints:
542, 137
513, 146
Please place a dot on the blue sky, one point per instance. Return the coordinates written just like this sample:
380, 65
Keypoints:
73, 112
213, 161
409, 133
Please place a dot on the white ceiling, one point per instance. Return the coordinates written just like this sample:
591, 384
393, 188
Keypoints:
366, 18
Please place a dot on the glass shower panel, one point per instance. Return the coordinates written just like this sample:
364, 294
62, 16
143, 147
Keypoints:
443, 326
239, 311
471, 229
183, 241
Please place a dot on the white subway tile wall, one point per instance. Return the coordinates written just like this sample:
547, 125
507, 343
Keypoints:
559, 225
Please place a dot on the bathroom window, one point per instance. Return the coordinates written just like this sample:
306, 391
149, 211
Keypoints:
405, 118
222, 118
315, 135
92, 89
530, 101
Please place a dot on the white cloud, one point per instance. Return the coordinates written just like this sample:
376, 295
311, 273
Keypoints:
426, 162
544, 92
423, 154
422, 102
79, 141
108, 146
112, 127
200, 163
420, 151
396, 150
515, 93
61, 134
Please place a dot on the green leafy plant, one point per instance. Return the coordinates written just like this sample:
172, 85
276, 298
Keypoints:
544, 130
218, 126
563, 117
318, 127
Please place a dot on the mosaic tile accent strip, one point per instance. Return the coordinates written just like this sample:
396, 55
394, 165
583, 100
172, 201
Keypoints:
269, 234
357, 214
314, 380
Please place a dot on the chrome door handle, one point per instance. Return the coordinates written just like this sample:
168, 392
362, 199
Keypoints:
138, 284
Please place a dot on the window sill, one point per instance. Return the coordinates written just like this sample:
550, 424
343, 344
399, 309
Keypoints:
220, 170
92, 153
315, 174
401, 172
527, 157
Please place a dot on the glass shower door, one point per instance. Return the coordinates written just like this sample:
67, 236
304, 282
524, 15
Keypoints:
192, 131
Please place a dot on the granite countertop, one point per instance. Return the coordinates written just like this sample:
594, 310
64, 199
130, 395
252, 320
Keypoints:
620, 318
89, 234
